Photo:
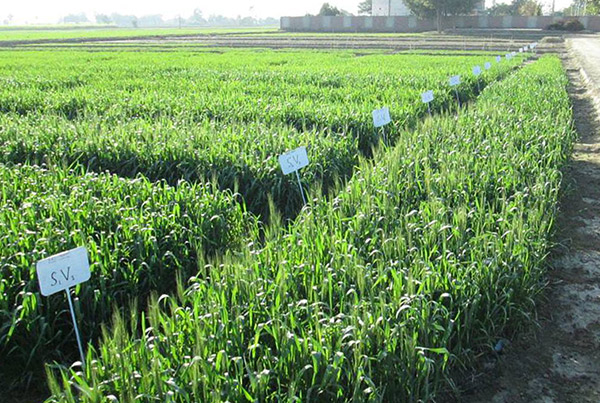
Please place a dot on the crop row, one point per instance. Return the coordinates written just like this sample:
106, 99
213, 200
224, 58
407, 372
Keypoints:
192, 116
140, 236
422, 260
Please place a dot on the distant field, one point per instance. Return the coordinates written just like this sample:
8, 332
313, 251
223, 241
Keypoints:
225, 115
72, 33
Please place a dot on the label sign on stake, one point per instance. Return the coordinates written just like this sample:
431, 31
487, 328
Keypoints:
427, 97
508, 56
381, 117
63, 271
60, 273
498, 59
487, 65
520, 50
476, 73
292, 161
454, 81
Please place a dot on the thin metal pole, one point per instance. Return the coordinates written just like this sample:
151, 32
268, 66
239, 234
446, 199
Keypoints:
457, 98
478, 88
68, 291
301, 190
429, 109
383, 131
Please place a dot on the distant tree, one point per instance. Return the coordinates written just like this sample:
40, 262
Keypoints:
328, 9
439, 8
517, 7
219, 20
501, 9
76, 18
153, 20
103, 19
365, 7
122, 20
582, 7
529, 8
196, 18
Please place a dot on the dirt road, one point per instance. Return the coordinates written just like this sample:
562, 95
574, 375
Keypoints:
561, 361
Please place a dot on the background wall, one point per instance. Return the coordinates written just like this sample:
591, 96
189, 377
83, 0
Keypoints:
412, 24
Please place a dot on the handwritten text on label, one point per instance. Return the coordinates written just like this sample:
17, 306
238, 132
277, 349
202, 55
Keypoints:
381, 117
454, 81
63, 271
293, 160
427, 96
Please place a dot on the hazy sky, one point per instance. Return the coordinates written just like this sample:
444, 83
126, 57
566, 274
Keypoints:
50, 11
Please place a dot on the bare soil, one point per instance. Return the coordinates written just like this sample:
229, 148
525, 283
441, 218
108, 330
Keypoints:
490, 40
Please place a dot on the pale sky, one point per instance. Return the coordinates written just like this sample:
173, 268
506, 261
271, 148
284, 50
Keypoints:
50, 11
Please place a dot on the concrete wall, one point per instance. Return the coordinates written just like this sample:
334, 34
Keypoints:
412, 24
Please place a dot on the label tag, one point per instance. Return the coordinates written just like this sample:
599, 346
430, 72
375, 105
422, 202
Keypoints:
498, 59
63, 271
508, 56
293, 160
487, 65
381, 117
520, 50
427, 96
454, 81
476, 70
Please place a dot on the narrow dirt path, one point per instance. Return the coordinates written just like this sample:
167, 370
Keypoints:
560, 362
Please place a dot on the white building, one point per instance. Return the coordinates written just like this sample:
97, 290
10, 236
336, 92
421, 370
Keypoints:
389, 7
397, 7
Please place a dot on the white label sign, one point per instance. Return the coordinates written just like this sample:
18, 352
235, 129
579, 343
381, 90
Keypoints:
427, 96
454, 81
520, 50
293, 160
508, 56
63, 271
487, 65
526, 47
381, 117
476, 70
498, 59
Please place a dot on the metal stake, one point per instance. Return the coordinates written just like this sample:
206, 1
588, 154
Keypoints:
301, 190
68, 291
